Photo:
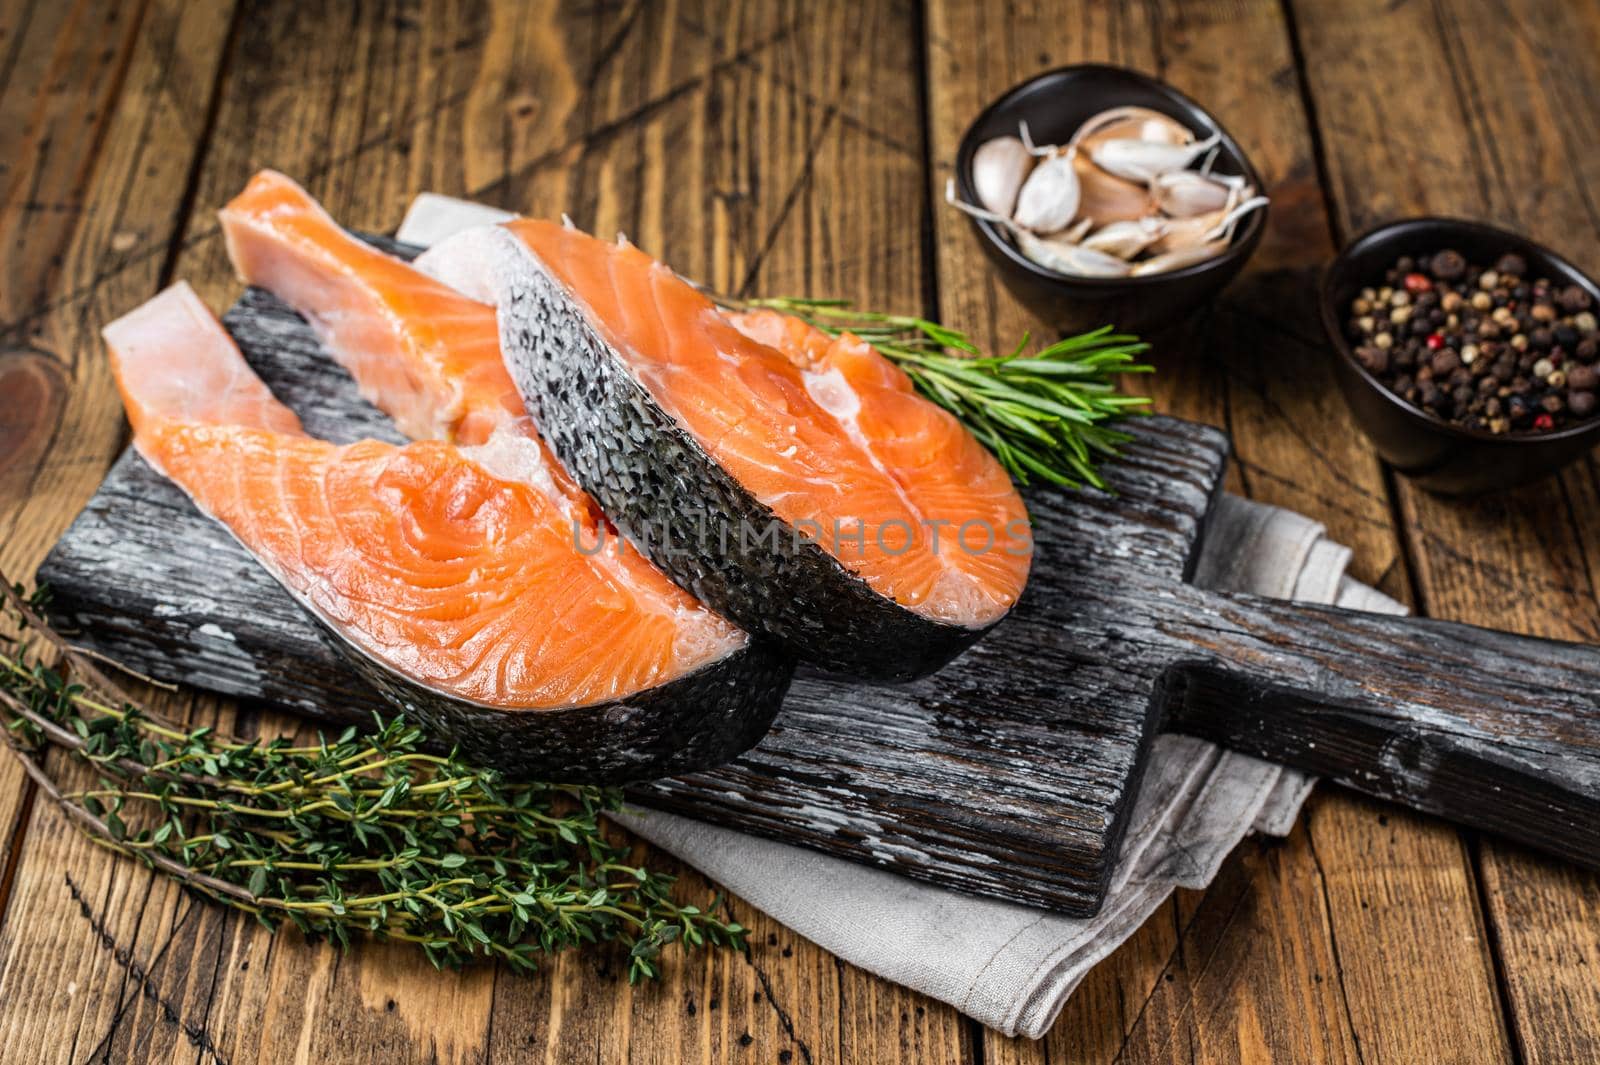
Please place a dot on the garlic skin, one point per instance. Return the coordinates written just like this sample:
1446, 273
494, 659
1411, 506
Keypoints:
1135, 160
1067, 258
999, 167
1131, 123
1186, 193
1182, 233
1053, 253
1075, 233
1177, 260
1127, 239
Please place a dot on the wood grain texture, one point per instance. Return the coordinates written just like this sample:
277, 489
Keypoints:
1516, 151
616, 114
1255, 364
102, 127
539, 109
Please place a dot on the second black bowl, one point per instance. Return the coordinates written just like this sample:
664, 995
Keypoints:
1054, 105
1443, 458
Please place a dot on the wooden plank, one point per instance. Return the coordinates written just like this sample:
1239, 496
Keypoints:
617, 116
57, 85
97, 116
1517, 154
1254, 364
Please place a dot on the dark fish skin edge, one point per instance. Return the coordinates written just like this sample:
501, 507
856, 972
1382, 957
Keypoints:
650, 476
698, 721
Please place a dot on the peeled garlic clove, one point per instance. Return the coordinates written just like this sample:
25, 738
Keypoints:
1177, 260
999, 167
1132, 123
1075, 233
1066, 258
1049, 198
1136, 160
1185, 193
1126, 239
1104, 199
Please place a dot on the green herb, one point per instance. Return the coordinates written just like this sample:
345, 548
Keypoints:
370, 832
1043, 415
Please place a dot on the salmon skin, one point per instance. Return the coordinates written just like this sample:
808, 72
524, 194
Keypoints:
793, 481
457, 593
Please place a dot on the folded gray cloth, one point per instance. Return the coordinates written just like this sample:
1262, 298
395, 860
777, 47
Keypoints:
1010, 966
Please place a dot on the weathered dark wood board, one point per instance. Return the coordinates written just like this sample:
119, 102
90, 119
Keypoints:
1005, 774
1010, 771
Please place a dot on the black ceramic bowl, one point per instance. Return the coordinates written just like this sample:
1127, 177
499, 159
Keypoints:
1440, 457
1054, 105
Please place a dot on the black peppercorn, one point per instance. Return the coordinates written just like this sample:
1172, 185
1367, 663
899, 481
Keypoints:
1376, 360
1511, 263
1583, 378
1581, 404
1574, 298
1448, 265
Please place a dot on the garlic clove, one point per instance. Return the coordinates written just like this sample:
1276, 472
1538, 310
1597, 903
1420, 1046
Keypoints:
1182, 233
999, 167
1131, 123
1126, 239
1104, 199
1185, 193
1050, 196
1075, 233
1065, 257
1053, 253
1137, 160
1177, 260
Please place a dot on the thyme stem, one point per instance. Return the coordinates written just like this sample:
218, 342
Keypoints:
1045, 415
364, 833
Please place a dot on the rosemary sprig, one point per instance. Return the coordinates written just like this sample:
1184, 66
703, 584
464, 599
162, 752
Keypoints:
366, 833
1043, 415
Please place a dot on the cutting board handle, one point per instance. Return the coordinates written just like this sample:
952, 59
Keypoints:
1485, 728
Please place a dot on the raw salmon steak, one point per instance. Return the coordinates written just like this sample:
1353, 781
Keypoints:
460, 594
794, 482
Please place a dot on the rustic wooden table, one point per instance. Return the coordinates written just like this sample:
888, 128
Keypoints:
800, 147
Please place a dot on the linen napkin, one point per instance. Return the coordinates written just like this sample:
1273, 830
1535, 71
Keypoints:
1013, 967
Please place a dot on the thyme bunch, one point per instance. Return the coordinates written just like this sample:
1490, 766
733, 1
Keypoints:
1043, 415
369, 832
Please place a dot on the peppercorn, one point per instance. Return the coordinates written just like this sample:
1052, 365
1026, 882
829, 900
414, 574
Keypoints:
1574, 298
1583, 378
1511, 263
1375, 359
1485, 348
1448, 265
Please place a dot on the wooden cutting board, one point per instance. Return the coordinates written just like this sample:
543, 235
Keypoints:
1009, 773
